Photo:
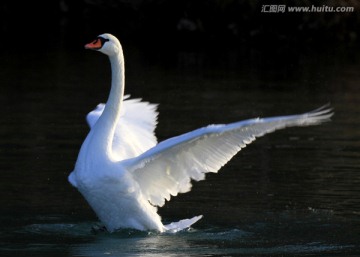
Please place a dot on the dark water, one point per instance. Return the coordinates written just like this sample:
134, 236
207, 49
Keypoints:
291, 193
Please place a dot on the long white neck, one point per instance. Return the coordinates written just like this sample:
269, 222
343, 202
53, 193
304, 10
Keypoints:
105, 126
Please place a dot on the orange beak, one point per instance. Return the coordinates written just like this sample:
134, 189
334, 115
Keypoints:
94, 45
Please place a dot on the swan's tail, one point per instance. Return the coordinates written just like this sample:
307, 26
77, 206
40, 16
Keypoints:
181, 225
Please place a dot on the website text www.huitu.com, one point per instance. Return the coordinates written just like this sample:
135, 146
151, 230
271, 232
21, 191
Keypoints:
301, 9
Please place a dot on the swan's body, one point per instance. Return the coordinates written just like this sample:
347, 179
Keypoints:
123, 173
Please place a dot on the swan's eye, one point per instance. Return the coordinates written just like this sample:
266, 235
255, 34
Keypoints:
102, 40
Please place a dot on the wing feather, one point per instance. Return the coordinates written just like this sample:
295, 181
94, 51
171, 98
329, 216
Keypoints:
134, 133
168, 168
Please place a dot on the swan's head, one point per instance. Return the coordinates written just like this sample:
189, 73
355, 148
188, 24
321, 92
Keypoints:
105, 43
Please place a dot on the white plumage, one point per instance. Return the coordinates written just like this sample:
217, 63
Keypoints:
124, 174
135, 133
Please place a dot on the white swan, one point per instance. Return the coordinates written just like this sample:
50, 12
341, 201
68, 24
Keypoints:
124, 174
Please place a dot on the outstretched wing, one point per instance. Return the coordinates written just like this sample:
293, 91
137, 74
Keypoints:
134, 133
168, 168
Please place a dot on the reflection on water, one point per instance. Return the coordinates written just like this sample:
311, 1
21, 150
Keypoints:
292, 193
